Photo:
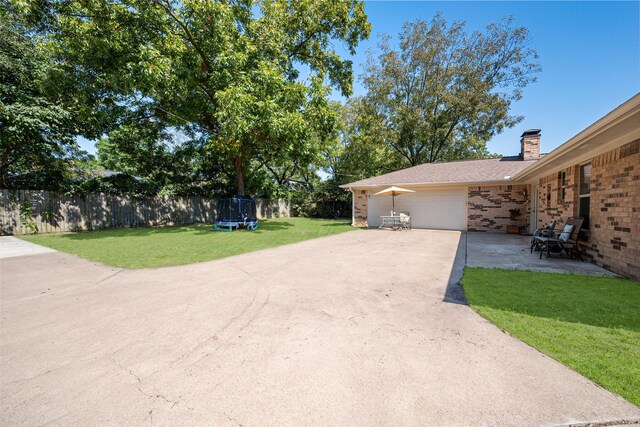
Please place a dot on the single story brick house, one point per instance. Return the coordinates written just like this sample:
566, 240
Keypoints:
595, 175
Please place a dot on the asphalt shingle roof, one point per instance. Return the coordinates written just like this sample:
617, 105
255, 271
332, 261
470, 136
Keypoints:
450, 172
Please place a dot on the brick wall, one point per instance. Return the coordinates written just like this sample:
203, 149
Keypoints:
552, 204
360, 210
613, 239
489, 207
614, 235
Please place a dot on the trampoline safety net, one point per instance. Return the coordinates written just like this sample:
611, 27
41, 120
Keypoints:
236, 211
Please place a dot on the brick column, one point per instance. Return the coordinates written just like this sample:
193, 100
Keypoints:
360, 210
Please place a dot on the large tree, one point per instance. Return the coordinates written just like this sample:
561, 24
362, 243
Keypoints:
224, 70
444, 91
36, 127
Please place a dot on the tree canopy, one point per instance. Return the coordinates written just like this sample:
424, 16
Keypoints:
444, 92
362, 151
225, 72
36, 129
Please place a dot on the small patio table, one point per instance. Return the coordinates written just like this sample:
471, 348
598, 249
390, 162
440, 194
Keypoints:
392, 221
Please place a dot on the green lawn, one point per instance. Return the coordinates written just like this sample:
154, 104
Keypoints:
591, 324
164, 246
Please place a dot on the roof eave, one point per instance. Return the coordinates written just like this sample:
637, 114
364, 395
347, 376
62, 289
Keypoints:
622, 113
427, 184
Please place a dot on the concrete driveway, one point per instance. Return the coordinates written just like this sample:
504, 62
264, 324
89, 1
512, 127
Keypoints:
345, 330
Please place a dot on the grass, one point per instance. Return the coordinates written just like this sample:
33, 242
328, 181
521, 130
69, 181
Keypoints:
591, 324
165, 246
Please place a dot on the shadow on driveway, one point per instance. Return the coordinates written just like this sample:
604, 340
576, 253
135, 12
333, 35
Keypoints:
454, 293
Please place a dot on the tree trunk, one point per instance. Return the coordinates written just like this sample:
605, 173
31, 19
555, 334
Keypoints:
4, 171
237, 164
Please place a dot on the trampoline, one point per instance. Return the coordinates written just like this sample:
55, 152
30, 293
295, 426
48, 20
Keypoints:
234, 212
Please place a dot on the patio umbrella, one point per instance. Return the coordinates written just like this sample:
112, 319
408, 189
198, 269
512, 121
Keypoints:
393, 192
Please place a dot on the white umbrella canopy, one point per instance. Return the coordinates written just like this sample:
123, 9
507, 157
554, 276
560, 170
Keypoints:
393, 192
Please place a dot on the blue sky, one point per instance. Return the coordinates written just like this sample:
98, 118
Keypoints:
589, 52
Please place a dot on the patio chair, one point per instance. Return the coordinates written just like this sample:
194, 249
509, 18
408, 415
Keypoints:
566, 242
405, 220
547, 231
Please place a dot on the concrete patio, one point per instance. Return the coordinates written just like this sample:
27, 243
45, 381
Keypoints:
512, 252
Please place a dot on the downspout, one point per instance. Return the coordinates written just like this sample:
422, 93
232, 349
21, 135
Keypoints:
353, 207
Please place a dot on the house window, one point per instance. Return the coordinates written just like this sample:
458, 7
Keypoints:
562, 186
585, 193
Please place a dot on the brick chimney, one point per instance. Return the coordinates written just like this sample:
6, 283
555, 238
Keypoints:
530, 144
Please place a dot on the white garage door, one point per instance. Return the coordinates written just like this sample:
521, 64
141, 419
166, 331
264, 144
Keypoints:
437, 209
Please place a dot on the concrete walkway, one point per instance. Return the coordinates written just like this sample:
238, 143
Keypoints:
12, 247
512, 252
350, 329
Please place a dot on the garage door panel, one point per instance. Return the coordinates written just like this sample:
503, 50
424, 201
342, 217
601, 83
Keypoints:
378, 206
441, 209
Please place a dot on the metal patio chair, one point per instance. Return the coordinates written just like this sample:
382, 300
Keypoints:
405, 220
567, 240
547, 231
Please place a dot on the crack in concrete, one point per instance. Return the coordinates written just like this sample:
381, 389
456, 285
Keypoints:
605, 423
109, 276
153, 397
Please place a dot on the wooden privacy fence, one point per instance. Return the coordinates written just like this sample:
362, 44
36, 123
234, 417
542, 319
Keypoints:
21, 211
